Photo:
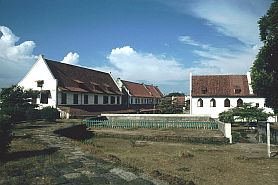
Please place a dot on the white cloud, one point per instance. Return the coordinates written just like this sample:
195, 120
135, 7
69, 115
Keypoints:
188, 40
15, 60
214, 60
129, 64
236, 19
71, 58
231, 18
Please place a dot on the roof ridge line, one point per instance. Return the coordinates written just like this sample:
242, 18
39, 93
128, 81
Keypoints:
83, 67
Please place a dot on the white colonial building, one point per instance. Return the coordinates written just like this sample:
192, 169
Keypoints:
139, 96
213, 94
74, 89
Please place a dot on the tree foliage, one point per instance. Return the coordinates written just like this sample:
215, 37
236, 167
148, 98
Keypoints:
5, 134
167, 107
264, 71
175, 94
14, 101
247, 112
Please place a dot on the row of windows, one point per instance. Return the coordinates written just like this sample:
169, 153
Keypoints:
142, 101
226, 103
113, 99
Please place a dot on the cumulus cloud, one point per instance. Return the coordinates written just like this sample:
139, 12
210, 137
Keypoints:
127, 63
71, 58
15, 59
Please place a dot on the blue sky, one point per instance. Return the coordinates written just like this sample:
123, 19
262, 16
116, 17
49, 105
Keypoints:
152, 41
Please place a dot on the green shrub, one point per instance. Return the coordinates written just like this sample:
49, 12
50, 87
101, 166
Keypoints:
5, 134
49, 114
32, 114
16, 114
226, 117
236, 136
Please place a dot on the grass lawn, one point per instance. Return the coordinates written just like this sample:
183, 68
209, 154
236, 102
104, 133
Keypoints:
202, 163
30, 162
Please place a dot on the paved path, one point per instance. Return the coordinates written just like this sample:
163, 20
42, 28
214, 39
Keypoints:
82, 164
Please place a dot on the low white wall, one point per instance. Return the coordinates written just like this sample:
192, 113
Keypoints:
154, 115
226, 129
157, 116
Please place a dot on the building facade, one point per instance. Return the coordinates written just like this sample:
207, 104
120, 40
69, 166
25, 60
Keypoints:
78, 91
70, 87
213, 94
139, 96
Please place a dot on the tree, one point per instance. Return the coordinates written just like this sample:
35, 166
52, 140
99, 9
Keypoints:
15, 101
264, 71
167, 107
247, 113
175, 94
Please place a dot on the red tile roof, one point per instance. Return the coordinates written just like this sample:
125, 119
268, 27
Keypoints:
155, 92
220, 85
80, 79
142, 90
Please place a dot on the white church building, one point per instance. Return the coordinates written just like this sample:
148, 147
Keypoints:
213, 94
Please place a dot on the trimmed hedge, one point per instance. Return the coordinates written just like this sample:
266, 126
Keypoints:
49, 114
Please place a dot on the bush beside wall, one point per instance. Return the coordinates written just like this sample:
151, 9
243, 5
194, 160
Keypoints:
49, 114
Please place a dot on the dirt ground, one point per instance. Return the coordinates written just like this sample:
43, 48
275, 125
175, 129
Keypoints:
242, 163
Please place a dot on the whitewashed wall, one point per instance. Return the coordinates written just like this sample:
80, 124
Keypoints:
214, 111
40, 71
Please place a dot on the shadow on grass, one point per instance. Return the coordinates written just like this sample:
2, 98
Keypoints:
78, 132
27, 154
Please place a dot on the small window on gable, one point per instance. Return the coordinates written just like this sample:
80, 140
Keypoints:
237, 90
212, 102
44, 97
227, 103
204, 90
239, 103
200, 102
40, 83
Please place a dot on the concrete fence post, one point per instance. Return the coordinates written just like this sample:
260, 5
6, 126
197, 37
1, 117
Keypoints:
228, 131
268, 138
